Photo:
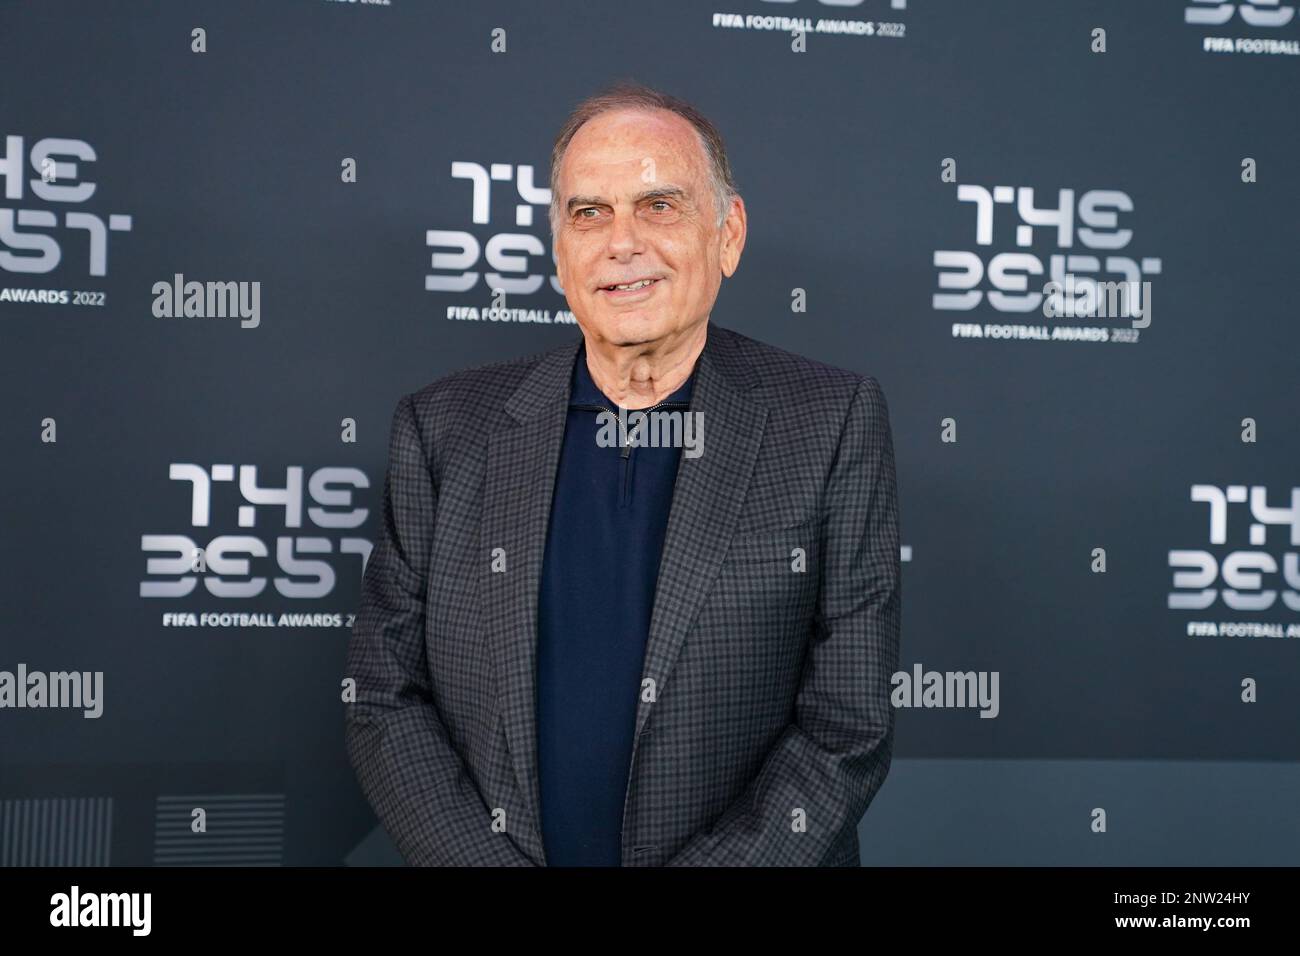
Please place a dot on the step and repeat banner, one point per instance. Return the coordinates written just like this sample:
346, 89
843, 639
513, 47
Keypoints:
233, 233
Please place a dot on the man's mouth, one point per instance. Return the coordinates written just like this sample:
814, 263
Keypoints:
623, 288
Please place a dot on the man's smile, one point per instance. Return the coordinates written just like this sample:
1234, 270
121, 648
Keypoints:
638, 288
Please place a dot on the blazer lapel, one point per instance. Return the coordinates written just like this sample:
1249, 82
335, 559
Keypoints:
518, 482
707, 498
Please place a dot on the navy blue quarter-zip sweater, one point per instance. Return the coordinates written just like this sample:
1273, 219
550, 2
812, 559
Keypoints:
609, 515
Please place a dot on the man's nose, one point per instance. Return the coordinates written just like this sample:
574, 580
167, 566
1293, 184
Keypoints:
624, 235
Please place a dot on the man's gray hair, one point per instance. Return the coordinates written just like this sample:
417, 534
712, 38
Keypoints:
628, 95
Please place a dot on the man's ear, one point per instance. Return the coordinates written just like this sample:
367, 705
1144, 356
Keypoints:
734, 228
559, 262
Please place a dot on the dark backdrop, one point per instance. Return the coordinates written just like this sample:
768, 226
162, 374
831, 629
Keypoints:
227, 164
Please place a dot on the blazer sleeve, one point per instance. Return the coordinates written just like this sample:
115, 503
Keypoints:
396, 741
826, 767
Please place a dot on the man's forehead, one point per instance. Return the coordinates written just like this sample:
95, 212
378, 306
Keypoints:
627, 144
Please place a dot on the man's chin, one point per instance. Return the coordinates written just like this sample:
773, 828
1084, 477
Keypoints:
633, 328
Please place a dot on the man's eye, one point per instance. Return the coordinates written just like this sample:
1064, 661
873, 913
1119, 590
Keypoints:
662, 202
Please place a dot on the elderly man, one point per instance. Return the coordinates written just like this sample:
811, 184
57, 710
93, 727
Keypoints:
577, 651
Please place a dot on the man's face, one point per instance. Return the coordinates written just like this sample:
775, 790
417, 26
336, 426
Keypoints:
635, 203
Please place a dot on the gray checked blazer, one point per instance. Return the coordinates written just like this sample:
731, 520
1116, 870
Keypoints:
770, 727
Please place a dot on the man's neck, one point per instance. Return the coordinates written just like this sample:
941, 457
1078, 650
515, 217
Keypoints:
641, 376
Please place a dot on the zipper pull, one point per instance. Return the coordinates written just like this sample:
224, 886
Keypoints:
626, 450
